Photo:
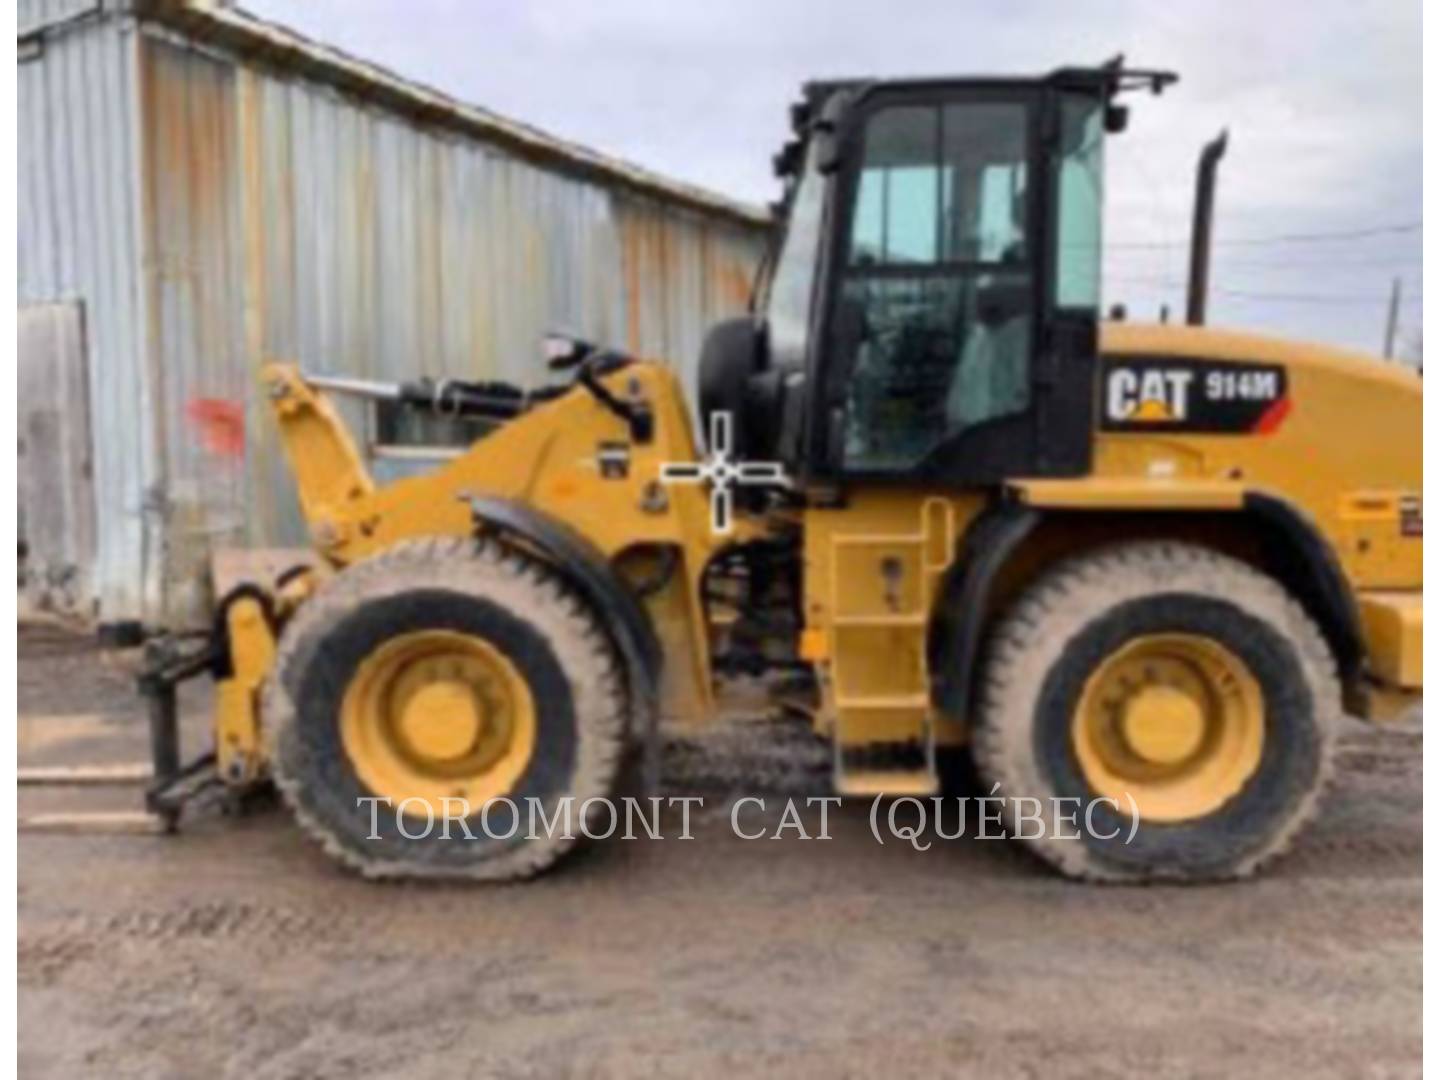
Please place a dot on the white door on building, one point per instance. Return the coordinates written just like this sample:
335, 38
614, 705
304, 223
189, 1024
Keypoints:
56, 485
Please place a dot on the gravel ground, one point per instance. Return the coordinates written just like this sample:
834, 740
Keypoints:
236, 949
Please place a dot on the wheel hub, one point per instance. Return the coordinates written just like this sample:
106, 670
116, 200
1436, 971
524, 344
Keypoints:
1172, 725
1163, 725
437, 715
441, 720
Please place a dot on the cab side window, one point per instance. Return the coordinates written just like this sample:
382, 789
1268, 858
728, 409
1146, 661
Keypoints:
938, 279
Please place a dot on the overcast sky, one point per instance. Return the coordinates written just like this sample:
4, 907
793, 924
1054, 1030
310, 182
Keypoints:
1322, 99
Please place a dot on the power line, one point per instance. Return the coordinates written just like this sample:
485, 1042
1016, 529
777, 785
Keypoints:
1286, 238
1320, 262
1245, 294
1308, 298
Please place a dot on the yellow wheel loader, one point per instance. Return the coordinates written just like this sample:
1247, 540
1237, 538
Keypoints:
1143, 568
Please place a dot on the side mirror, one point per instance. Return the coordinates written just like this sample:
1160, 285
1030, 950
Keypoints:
1117, 118
563, 351
787, 161
799, 117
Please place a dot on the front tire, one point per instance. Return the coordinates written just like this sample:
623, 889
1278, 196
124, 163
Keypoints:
445, 669
1182, 684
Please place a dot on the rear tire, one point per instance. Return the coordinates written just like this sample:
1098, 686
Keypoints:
469, 610
1224, 780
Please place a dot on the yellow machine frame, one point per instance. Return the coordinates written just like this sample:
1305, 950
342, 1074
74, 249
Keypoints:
874, 569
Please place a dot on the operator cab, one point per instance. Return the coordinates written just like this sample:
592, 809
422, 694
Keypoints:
931, 308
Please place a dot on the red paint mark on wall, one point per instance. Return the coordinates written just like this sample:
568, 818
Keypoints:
220, 425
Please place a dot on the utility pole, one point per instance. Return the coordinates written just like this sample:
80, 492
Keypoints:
1392, 320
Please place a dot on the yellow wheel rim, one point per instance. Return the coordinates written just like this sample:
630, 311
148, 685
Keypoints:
1174, 722
435, 715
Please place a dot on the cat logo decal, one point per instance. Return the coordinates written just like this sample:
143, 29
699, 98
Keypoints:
1202, 396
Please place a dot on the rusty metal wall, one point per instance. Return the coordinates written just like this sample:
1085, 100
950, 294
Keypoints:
196, 305
681, 273
209, 210
287, 220
78, 173
35, 16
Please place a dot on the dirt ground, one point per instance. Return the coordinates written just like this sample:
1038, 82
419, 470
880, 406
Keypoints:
237, 949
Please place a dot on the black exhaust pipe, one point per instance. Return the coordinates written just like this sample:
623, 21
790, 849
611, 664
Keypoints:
1201, 228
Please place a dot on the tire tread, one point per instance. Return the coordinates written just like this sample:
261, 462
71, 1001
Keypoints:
1069, 595
484, 568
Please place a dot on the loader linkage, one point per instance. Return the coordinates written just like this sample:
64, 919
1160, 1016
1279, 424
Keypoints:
236, 653
174, 785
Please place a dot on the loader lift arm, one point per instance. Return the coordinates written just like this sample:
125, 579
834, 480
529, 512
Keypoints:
329, 473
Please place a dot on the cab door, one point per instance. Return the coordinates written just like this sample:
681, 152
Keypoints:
958, 331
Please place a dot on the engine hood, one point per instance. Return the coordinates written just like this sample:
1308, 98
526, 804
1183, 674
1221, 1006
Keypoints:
1336, 433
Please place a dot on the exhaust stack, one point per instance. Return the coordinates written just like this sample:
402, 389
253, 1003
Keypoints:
1200, 229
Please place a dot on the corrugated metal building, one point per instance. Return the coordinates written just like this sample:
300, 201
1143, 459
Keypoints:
200, 190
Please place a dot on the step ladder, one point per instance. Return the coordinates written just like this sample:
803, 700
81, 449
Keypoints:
884, 740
